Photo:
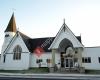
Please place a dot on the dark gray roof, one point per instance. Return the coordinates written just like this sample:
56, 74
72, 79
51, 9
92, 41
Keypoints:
38, 42
79, 38
26, 40
32, 44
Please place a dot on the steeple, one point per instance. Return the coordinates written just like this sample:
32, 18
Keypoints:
11, 25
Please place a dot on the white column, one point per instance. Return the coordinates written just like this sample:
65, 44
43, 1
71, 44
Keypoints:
53, 57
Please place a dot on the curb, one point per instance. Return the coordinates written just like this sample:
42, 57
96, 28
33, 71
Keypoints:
50, 75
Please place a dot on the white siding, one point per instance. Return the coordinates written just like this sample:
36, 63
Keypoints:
94, 53
7, 40
22, 64
11, 64
44, 57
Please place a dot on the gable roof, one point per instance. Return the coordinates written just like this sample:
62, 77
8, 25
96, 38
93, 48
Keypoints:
66, 29
26, 40
32, 44
38, 42
11, 25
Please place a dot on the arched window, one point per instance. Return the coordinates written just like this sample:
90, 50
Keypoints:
17, 52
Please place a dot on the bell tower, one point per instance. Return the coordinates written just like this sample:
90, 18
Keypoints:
9, 32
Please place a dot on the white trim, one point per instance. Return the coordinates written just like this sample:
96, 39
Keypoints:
12, 40
68, 62
64, 25
10, 43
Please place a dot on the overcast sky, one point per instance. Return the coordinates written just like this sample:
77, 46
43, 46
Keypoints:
43, 18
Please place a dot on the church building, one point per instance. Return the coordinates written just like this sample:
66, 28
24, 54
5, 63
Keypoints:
64, 51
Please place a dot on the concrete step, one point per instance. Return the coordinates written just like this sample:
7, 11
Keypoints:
64, 70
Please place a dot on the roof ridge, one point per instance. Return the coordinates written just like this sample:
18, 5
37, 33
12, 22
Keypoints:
23, 34
43, 37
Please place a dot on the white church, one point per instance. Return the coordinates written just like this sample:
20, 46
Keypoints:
64, 52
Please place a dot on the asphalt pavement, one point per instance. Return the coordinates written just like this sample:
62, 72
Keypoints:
49, 76
15, 78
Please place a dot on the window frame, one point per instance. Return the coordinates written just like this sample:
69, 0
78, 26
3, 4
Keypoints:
99, 59
17, 52
86, 59
39, 60
4, 60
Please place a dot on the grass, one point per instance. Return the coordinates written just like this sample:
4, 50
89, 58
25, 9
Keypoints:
31, 70
43, 70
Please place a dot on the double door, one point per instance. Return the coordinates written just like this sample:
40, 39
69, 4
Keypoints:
69, 62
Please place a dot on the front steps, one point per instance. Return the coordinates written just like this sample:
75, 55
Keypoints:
68, 70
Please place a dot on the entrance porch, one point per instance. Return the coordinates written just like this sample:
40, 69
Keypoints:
70, 64
70, 58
